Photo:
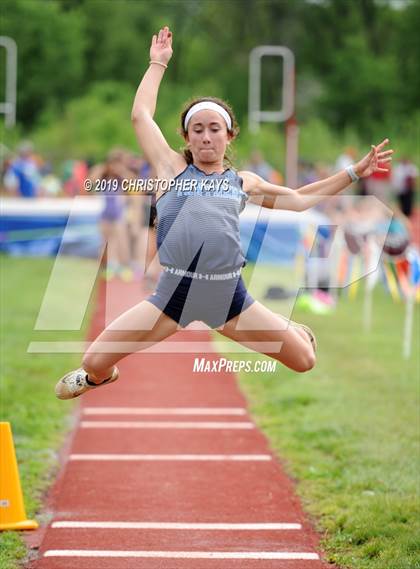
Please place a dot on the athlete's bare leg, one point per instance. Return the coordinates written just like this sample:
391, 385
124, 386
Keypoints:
138, 328
263, 331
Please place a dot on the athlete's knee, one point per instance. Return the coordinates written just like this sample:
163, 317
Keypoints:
307, 357
301, 361
305, 361
310, 362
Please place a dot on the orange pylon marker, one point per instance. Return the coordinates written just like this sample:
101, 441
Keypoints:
12, 509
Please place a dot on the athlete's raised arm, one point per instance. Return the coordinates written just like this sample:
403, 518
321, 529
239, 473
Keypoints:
280, 197
150, 137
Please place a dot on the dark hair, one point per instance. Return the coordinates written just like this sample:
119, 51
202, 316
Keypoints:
234, 131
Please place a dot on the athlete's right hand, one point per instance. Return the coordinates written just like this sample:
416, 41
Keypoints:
161, 48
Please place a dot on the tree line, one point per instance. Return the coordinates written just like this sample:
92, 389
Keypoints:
357, 60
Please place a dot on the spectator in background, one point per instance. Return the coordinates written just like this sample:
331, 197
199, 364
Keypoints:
379, 185
113, 222
307, 173
6, 159
404, 177
152, 265
347, 158
135, 218
50, 184
75, 173
22, 178
259, 166
80, 173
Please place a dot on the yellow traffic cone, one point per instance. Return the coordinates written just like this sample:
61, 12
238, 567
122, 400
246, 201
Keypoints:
12, 509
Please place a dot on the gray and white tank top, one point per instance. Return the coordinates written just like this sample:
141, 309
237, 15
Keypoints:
198, 222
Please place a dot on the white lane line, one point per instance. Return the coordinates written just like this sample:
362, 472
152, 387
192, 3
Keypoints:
164, 411
176, 525
182, 554
164, 425
233, 457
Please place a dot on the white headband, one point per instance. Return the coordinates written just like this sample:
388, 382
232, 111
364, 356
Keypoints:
207, 106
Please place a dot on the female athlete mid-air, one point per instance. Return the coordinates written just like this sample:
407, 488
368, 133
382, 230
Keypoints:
199, 199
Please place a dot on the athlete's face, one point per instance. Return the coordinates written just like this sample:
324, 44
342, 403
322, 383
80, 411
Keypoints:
207, 137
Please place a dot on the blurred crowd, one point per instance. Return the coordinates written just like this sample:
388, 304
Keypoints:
127, 223
28, 174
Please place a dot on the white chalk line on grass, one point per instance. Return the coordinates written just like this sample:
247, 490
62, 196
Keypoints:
151, 457
183, 554
164, 411
176, 526
164, 425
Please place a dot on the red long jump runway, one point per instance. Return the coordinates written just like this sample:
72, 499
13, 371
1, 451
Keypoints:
166, 470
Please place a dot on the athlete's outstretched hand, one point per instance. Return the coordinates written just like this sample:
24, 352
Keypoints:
375, 161
161, 48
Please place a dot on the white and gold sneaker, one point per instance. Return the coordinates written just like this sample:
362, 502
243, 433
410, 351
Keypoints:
77, 382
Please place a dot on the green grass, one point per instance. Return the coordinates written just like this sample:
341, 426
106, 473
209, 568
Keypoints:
39, 421
348, 429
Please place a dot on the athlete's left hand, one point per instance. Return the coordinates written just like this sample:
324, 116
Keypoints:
375, 161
